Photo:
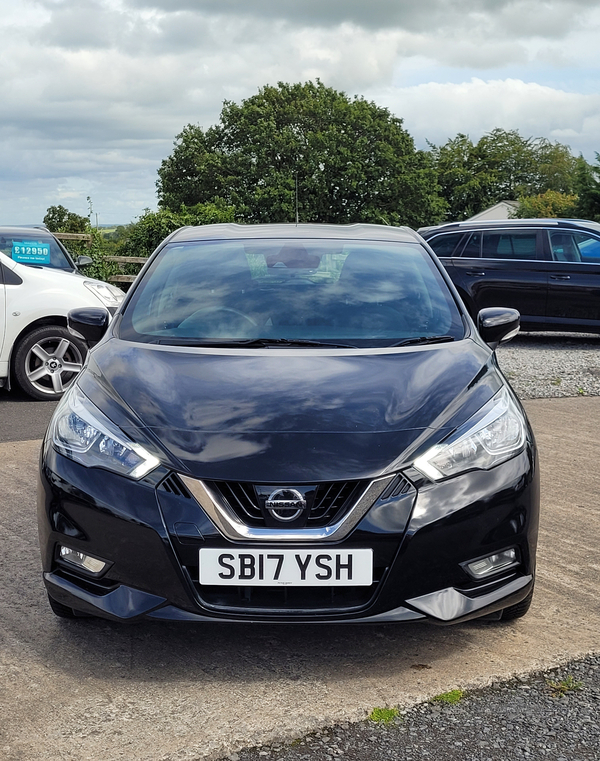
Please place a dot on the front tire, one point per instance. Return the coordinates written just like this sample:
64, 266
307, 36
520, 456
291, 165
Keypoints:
47, 361
60, 610
518, 610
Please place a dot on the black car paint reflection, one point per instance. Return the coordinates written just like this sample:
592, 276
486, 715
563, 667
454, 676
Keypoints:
347, 412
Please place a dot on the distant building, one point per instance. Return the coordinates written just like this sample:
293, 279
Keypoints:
501, 210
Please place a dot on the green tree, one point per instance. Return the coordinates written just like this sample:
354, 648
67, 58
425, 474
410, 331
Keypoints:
466, 181
502, 165
547, 205
59, 219
350, 160
556, 167
152, 227
588, 189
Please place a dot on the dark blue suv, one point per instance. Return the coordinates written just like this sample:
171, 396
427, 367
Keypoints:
547, 269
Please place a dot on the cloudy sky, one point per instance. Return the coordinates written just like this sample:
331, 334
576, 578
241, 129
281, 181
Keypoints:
93, 92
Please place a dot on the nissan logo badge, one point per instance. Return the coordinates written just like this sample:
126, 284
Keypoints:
285, 504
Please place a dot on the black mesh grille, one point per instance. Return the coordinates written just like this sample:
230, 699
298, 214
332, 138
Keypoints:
242, 500
174, 485
274, 600
397, 487
300, 599
331, 501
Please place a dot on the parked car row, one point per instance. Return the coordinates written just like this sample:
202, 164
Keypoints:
548, 270
39, 284
293, 423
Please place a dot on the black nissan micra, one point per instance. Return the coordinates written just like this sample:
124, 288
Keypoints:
291, 423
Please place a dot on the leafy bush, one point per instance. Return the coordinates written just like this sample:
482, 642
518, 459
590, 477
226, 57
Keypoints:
547, 205
58, 219
153, 227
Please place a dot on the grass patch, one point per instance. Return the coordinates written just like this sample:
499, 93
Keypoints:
383, 715
449, 698
568, 684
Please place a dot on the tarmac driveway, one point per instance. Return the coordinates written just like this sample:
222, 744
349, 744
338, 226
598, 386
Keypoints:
91, 689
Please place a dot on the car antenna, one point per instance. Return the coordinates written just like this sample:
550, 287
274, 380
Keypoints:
296, 199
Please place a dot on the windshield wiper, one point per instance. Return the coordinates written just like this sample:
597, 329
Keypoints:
423, 340
250, 342
258, 342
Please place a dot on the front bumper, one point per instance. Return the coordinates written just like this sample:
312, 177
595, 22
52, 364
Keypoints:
151, 534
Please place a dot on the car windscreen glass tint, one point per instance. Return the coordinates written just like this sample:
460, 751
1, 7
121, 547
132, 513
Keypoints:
31, 248
510, 245
362, 293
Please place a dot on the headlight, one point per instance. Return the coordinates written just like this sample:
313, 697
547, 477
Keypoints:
108, 294
80, 431
497, 434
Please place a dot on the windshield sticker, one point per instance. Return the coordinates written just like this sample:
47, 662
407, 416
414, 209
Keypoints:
31, 252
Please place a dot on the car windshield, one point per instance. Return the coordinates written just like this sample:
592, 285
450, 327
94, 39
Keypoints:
29, 247
298, 291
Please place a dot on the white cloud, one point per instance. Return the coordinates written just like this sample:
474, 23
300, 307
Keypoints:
437, 111
93, 92
540, 17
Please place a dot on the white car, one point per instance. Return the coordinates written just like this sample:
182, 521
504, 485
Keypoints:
39, 285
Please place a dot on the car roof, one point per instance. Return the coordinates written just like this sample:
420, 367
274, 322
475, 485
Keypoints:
22, 230
344, 232
575, 224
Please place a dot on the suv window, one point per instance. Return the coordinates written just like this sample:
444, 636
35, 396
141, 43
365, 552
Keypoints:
444, 245
510, 245
574, 247
472, 250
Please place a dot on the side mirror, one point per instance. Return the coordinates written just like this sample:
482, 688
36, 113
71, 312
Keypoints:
498, 325
89, 323
81, 261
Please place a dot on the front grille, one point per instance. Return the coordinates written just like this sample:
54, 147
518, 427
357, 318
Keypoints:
294, 600
327, 502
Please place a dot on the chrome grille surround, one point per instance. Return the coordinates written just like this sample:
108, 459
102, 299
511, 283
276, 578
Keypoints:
228, 523
326, 502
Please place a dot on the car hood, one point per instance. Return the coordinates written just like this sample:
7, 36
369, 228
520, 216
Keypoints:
51, 279
288, 415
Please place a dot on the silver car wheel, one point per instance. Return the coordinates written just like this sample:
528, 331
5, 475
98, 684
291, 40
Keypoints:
52, 363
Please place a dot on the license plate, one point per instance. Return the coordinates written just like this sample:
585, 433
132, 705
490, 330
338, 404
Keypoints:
292, 568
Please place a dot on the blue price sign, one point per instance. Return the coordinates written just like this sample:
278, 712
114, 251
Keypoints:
31, 252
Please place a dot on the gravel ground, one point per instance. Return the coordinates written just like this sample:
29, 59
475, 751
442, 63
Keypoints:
546, 364
555, 715
545, 716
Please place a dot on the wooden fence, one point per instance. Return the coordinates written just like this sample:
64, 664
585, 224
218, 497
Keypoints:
121, 260
86, 237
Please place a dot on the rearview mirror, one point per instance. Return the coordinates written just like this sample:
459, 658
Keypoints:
81, 261
89, 323
498, 325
